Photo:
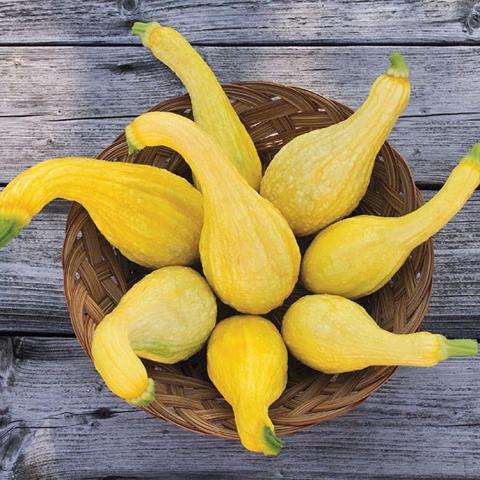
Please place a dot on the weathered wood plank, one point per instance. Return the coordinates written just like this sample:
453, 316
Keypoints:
245, 21
77, 82
57, 420
31, 292
31, 282
432, 145
53, 101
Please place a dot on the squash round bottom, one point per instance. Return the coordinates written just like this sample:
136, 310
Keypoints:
96, 275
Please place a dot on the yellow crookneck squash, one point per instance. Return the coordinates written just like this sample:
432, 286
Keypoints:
211, 107
151, 215
248, 252
321, 176
166, 317
336, 335
357, 256
247, 362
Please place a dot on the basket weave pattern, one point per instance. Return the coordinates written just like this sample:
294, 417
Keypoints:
96, 275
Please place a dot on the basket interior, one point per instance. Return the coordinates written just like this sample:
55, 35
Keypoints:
96, 275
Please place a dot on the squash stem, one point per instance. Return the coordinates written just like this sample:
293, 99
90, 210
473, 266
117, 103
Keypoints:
274, 443
399, 67
134, 145
141, 30
460, 348
474, 154
203, 155
146, 397
9, 229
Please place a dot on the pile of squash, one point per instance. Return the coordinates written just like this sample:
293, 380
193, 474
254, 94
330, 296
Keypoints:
243, 227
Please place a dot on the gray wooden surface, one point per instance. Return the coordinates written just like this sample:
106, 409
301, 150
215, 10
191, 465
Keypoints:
77, 99
72, 76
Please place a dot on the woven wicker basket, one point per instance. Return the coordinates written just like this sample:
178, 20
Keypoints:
96, 275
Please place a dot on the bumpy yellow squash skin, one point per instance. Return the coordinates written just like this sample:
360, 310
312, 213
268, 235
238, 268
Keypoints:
151, 215
321, 176
357, 256
166, 317
211, 108
248, 252
335, 335
247, 362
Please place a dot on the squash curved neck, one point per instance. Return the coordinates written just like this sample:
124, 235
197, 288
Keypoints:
423, 349
205, 157
117, 363
30, 191
256, 430
65, 178
385, 102
418, 226
171, 48
211, 107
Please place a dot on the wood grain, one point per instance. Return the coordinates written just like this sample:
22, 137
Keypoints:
61, 101
32, 292
58, 420
245, 21
31, 281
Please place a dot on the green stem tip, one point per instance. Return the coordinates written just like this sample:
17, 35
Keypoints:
399, 67
132, 146
474, 153
9, 229
139, 29
147, 397
461, 348
274, 443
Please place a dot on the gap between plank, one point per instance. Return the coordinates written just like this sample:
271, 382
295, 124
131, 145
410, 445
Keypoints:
131, 116
66, 336
32, 334
420, 185
247, 44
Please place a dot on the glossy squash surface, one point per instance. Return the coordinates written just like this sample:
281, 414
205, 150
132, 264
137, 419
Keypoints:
248, 252
357, 256
335, 335
151, 215
247, 362
211, 107
166, 317
321, 176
